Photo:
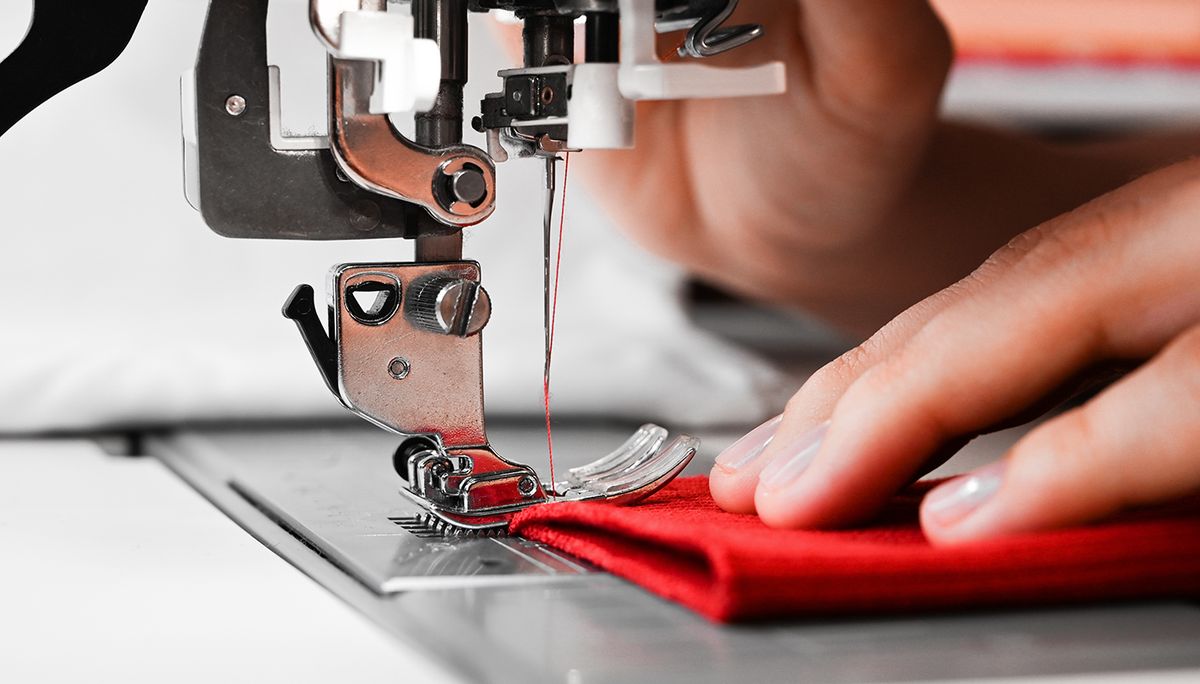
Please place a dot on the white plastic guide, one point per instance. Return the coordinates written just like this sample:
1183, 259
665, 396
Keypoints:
601, 110
644, 77
409, 69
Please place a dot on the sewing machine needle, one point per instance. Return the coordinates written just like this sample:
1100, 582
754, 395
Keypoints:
546, 221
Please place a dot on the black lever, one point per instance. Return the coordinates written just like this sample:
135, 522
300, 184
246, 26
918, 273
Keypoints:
301, 308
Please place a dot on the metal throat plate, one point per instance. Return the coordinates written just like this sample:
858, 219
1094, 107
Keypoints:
342, 500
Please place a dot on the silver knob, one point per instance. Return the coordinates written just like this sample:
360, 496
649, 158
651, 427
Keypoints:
447, 305
469, 185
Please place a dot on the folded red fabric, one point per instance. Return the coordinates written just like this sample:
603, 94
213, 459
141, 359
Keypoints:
732, 567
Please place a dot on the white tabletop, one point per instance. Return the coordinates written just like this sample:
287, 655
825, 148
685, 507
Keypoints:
113, 567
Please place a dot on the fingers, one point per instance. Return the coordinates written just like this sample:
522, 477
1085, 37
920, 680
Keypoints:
735, 474
1055, 300
1132, 445
872, 54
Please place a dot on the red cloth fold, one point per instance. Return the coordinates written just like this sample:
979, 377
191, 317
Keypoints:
732, 567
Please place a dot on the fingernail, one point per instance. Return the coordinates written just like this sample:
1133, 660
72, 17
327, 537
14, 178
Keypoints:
793, 459
948, 504
743, 452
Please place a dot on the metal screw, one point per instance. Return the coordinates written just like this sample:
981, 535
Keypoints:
468, 185
447, 305
399, 368
235, 105
527, 485
366, 217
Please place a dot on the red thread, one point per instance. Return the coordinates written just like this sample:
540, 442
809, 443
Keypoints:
562, 217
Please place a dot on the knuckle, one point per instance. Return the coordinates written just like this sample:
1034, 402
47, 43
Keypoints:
1056, 454
798, 401
1085, 234
840, 373
1187, 345
1046, 247
875, 385
1183, 354
824, 385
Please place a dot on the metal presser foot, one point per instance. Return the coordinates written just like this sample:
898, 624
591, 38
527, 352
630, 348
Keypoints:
404, 352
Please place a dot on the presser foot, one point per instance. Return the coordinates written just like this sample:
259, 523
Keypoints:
403, 350
473, 490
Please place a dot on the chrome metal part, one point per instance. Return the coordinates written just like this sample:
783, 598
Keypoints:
472, 489
447, 305
235, 105
707, 37
468, 185
375, 156
399, 368
435, 247
475, 489
334, 500
442, 392
547, 218
420, 375
445, 22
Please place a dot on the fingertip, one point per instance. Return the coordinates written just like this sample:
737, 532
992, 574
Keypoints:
938, 533
731, 491
735, 472
800, 509
965, 509
776, 510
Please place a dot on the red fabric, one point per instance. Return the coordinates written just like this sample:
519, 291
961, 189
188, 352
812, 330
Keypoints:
732, 567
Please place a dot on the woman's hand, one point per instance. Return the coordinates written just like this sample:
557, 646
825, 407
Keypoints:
760, 194
1117, 279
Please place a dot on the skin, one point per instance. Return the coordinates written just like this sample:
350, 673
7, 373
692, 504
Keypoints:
848, 173
849, 198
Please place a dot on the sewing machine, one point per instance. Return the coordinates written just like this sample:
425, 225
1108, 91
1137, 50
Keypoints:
403, 346
118, 562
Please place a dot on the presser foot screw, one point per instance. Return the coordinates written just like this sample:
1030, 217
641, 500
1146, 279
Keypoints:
448, 305
399, 368
235, 105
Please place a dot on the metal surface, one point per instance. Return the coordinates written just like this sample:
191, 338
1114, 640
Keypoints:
432, 247
448, 306
235, 105
595, 628
475, 489
708, 37
419, 374
601, 36
548, 39
249, 189
444, 21
375, 156
547, 219
341, 505
443, 391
